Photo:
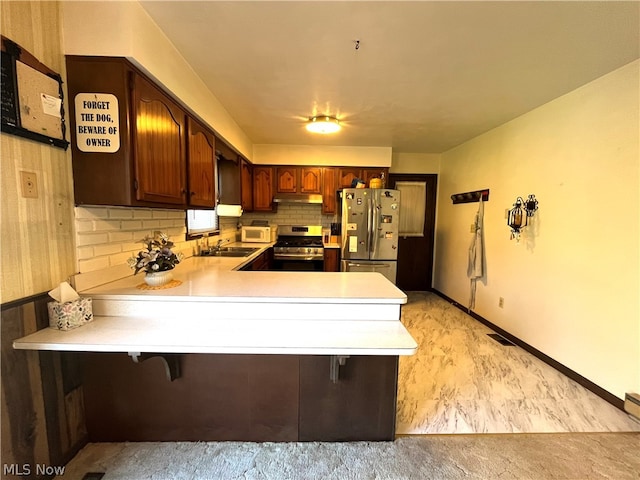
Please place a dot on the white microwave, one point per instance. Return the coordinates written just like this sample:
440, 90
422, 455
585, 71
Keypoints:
259, 234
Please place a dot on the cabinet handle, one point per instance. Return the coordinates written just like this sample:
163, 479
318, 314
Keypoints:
193, 193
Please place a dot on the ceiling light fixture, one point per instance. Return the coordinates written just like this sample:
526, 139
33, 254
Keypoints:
323, 124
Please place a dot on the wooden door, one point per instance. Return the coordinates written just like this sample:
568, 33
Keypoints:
262, 188
415, 254
159, 145
246, 187
310, 180
329, 190
286, 180
201, 162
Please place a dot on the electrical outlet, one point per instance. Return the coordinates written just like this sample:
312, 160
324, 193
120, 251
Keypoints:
501, 302
29, 184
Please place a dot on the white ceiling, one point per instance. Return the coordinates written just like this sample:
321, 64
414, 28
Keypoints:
426, 77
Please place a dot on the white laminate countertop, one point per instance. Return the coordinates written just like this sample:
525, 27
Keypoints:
219, 309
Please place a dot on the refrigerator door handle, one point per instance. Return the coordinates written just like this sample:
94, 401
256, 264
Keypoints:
372, 265
375, 237
369, 229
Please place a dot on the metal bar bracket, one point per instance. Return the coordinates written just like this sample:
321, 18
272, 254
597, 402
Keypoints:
336, 361
171, 362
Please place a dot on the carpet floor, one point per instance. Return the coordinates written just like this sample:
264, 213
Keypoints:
575, 456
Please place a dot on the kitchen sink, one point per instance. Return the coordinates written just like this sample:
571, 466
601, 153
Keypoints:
229, 252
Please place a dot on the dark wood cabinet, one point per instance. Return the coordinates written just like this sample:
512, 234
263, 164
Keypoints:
264, 261
158, 145
329, 190
286, 180
201, 165
165, 157
360, 405
299, 180
229, 174
246, 180
263, 184
255, 398
346, 175
374, 172
310, 180
101, 178
331, 259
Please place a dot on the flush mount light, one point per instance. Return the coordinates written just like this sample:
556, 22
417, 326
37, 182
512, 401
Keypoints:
323, 124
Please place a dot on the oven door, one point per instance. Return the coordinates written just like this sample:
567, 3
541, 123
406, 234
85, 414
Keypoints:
293, 264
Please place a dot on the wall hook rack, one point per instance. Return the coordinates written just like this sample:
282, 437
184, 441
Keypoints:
469, 197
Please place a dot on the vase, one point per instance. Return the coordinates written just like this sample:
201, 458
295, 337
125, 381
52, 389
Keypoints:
157, 279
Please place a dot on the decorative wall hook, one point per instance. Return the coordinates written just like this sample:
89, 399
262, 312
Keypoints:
469, 197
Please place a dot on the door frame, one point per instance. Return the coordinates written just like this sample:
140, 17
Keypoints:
426, 243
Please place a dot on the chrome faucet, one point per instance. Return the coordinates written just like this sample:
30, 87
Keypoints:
219, 244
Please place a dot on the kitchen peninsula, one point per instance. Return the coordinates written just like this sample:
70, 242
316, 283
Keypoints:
250, 355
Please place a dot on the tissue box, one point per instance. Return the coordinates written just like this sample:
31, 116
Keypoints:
69, 315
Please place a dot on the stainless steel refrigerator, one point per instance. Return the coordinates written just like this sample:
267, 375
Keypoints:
370, 218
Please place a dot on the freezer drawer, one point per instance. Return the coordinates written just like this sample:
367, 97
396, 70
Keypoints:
387, 268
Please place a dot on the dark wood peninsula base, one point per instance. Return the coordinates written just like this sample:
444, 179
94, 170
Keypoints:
240, 397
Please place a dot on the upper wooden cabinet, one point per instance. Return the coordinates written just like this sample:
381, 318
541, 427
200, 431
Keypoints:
150, 166
246, 184
201, 165
329, 190
229, 174
306, 180
263, 183
346, 175
158, 145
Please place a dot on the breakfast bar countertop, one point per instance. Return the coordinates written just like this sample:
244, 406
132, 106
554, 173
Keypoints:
218, 309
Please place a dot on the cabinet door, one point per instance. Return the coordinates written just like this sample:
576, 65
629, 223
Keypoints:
229, 183
347, 175
262, 188
329, 189
246, 175
201, 161
310, 180
286, 180
331, 259
159, 145
374, 172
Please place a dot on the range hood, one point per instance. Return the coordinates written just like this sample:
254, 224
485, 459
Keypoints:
297, 198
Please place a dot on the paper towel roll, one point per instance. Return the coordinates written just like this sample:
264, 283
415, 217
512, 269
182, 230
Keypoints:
229, 210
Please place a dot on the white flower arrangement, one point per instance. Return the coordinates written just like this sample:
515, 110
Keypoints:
157, 257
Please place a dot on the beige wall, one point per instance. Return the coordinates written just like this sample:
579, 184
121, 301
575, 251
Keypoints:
319, 155
571, 286
37, 241
124, 29
415, 163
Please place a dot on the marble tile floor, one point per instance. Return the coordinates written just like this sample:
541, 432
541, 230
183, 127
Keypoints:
462, 381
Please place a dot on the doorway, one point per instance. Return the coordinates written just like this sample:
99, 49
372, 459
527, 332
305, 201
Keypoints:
415, 249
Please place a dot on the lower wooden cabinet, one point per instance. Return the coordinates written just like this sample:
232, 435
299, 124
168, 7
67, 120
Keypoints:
331, 259
263, 262
257, 398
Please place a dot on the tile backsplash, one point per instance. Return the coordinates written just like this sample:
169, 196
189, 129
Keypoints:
292, 214
107, 236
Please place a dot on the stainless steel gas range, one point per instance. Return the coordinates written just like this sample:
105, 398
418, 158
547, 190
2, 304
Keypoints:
299, 247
